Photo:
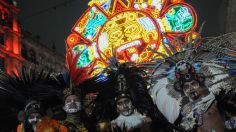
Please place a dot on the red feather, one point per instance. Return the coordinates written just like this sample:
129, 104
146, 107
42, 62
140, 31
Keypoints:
77, 74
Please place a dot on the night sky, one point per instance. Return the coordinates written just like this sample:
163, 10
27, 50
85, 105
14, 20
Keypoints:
51, 24
52, 19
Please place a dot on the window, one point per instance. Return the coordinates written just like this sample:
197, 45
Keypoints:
32, 56
1, 38
24, 52
1, 18
2, 64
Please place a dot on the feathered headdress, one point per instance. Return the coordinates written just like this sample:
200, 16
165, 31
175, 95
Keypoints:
29, 91
215, 68
122, 80
212, 64
77, 75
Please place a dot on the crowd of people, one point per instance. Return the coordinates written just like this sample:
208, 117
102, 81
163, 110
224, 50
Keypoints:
189, 88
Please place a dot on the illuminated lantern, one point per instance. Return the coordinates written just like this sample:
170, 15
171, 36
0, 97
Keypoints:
130, 28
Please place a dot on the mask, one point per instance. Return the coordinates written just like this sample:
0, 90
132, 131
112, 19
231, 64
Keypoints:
72, 107
34, 118
125, 106
192, 90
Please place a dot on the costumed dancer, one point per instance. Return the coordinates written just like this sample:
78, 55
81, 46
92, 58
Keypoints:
193, 82
88, 108
123, 98
77, 85
72, 107
28, 95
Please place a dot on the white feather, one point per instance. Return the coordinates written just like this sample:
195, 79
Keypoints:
130, 122
168, 106
216, 69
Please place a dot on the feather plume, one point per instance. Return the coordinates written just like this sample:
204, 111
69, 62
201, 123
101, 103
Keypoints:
77, 74
17, 90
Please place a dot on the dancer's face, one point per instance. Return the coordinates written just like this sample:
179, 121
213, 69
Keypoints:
34, 118
192, 90
88, 99
124, 106
87, 104
72, 104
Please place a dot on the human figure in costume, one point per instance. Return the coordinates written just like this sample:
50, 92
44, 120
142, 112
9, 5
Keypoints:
73, 108
77, 81
128, 118
123, 100
202, 104
28, 95
193, 82
36, 121
87, 103
230, 114
87, 111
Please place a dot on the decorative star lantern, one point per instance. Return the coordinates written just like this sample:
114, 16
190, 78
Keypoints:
129, 28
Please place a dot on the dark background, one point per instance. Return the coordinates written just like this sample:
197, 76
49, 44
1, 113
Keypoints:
52, 19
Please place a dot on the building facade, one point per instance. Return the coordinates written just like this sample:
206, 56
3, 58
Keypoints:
40, 56
19, 49
10, 34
